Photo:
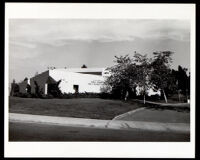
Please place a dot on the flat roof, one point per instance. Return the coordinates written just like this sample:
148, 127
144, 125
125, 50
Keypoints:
80, 69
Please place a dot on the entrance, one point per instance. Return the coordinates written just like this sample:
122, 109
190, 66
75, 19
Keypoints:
76, 88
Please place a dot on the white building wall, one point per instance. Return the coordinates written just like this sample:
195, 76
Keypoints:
86, 82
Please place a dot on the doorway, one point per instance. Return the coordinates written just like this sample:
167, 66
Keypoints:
76, 87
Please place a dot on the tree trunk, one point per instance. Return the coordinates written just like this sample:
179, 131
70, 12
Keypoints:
179, 97
165, 96
144, 93
186, 95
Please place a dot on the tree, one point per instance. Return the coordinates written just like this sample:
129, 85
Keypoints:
36, 73
84, 66
14, 88
123, 75
183, 79
161, 70
141, 71
54, 90
172, 85
143, 77
25, 79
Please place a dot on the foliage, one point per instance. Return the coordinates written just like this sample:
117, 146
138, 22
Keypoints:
141, 71
54, 90
161, 74
122, 77
183, 80
36, 73
14, 88
161, 68
84, 66
143, 77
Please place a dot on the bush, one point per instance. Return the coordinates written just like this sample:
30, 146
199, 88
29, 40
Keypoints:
22, 95
104, 95
17, 94
63, 96
153, 97
80, 95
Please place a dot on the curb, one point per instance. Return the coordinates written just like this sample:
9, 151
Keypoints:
105, 124
63, 121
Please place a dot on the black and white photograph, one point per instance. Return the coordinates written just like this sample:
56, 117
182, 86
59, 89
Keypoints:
99, 79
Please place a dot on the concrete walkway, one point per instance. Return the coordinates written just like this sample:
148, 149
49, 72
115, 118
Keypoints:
91, 123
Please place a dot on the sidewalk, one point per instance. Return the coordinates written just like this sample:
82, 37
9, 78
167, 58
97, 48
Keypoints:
170, 105
94, 123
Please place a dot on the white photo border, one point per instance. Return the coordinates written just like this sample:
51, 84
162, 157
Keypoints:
101, 149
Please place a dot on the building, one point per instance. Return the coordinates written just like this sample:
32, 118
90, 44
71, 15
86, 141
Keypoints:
23, 86
72, 80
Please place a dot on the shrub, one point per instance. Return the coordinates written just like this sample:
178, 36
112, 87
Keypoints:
22, 95
17, 94
153, 97
80, 95
104, 95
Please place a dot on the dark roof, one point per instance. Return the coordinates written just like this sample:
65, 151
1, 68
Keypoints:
93, 73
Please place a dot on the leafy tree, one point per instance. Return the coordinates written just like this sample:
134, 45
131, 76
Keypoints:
123, 75
161, 70
172, 83
36, 73
129, 73
183, 80
188, 84
14, 88
143, 70
54, 90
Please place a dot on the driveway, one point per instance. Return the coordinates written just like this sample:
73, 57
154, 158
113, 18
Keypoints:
156, 115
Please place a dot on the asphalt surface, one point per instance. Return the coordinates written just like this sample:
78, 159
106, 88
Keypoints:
158, 115
20, 131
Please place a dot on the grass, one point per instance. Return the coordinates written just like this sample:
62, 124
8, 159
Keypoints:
94, 108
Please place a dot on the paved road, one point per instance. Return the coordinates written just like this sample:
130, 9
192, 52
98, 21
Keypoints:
158, 115
20, 131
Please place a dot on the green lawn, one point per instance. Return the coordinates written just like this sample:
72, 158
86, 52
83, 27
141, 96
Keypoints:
94, 108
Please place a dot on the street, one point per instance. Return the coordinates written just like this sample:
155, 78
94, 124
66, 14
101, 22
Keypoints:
20, 131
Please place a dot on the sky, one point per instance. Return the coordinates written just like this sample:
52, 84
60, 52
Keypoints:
35, 44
